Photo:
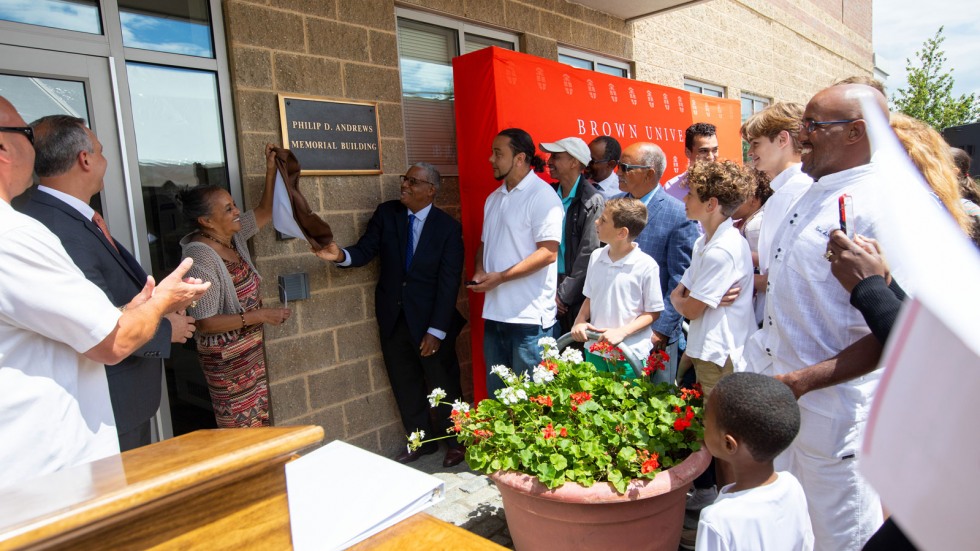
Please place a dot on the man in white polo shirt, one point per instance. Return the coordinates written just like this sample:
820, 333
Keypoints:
515, 266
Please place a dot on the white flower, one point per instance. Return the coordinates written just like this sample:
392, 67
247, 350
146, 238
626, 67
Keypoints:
572, 355
437, 395
542, 375
461, 406
511, 395
505, 374
415, 440
548, 342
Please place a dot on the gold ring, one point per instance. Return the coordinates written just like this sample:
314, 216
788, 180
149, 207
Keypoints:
828, 255
193, 304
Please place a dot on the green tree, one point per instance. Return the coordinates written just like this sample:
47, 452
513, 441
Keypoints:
929, 96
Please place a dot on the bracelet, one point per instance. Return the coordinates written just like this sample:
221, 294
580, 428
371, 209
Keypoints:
242, 314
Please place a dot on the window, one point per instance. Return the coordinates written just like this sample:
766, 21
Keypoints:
72, 15
593, 62
426, 46
752, 104
699, 87
178, 27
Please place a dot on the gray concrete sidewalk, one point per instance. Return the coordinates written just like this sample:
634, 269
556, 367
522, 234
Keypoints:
471, 502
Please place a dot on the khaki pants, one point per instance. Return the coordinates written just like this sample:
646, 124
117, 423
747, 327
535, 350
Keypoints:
710, 373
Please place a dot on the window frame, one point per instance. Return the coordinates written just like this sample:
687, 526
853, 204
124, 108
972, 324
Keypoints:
462, 30
595, 60
702, 86
753, 98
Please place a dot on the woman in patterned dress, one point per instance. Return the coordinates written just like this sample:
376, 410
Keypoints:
230, 315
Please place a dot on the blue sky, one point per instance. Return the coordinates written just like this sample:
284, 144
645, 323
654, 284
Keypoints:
901, 26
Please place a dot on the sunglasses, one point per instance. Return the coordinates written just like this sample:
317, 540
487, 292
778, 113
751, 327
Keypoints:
627, 168
27, 131
811, 125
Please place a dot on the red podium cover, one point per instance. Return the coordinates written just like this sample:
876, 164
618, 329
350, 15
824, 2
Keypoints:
497, 89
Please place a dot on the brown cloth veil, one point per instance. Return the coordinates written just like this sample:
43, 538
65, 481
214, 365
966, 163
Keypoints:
316, 231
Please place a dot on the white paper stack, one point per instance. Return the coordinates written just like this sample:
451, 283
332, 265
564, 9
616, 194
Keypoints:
340, 494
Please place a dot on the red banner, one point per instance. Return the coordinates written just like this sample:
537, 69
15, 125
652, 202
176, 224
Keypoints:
497, 89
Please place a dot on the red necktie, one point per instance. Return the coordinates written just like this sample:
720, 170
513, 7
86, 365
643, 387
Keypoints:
100, 222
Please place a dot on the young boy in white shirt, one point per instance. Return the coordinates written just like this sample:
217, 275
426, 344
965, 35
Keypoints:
749, 420
721, 258
622, 286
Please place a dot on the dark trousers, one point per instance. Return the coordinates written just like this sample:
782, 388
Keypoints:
139, 436
413, 377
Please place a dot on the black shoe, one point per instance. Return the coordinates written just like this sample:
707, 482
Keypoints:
454, 456
410, 456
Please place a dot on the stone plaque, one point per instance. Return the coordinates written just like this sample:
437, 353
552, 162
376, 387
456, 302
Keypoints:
331, 136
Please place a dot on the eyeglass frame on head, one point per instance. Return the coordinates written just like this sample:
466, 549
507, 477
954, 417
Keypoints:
626, 168
413, 181
810, 125
25, 131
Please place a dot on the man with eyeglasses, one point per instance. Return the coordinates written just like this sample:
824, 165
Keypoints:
421, 252
582, 205
57, 330
812, 339
605, 151
668, 237
700, 144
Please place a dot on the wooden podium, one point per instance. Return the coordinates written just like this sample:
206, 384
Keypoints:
211, 489
219, 489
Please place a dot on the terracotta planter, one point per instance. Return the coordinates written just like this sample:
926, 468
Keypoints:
648, 517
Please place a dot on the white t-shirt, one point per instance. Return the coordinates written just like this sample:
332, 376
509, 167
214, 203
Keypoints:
751, 230
720, 333
54, 403
513, 223
771, 517
809, 317
621, 290
787, 187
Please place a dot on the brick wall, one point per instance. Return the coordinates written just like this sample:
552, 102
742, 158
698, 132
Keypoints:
781, 49
325, 363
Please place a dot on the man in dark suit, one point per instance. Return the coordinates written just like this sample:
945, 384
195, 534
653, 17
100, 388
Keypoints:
421, 250
70, 166
669, 238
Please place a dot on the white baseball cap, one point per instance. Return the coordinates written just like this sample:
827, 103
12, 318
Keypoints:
576, 147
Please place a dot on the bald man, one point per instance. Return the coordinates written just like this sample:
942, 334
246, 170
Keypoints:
812, 339
57, 330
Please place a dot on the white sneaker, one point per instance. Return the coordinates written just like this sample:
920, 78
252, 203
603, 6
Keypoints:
701, 498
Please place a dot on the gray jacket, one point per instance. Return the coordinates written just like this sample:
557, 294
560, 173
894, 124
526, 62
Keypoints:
580, 240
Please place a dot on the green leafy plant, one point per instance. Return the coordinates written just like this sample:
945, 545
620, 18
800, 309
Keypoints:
569, 422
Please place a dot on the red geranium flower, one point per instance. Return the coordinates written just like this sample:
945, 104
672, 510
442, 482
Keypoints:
657, 361
650, 464
544, 400
548, 432
606, 350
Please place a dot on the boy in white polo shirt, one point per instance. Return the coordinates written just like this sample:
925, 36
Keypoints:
622, 285
721, 259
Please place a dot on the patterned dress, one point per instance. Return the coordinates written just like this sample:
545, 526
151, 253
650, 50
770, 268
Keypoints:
234, 361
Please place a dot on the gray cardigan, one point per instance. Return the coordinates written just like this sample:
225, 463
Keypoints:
221, 298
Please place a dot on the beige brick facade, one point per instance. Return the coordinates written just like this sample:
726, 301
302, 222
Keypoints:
325, 364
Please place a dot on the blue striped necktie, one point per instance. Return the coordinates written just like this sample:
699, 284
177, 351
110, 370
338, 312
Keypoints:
410, 242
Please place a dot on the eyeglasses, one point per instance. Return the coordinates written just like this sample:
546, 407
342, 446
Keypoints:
414, 181
626, 168
811, 125
27, 131
612, 162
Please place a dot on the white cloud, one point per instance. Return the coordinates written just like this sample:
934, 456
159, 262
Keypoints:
902, 26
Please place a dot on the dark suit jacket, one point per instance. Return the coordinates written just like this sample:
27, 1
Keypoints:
134, 383
427, 291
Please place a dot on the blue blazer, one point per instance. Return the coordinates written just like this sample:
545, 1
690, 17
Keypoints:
134, 383
427, 291
669, 238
